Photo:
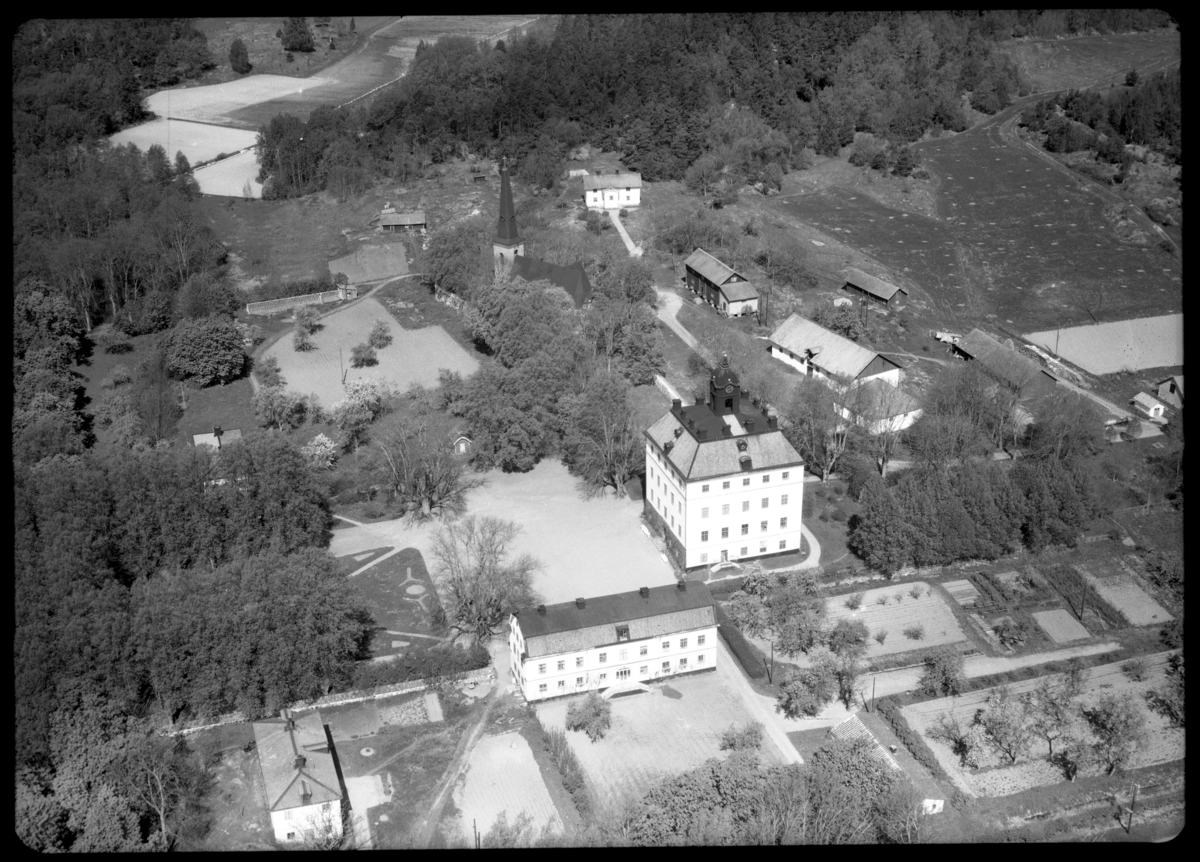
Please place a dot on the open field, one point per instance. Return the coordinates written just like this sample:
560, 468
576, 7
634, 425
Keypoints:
216, 102
930, 611
414, 356
372, 262
1116, 583
674, 728
1061, 626
1119, 345
1164, 743
502, 776
200, 142
1014, 238
1060, 64
228, 177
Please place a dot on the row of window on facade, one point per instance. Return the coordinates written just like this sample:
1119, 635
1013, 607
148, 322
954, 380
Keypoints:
658, 500
622, 655
762, 526
745, 551
623, 674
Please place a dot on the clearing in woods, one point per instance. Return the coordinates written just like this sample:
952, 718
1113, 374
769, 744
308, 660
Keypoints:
673, 728
413, 357
1088, 61
502, 776
1163, 744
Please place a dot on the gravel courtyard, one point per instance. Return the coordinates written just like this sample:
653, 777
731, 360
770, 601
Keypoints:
587, 547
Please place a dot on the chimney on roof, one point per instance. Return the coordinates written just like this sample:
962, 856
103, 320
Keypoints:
749, 426
668, 446
580, 602
773, 422
305, 793
726, 431
676, 405
299, 761
644, 592
681, 586
701, 433
542, 610
679, 431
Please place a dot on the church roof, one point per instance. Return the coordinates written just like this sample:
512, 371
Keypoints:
572, 278
506, 225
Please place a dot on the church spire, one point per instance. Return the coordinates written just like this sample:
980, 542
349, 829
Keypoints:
506, 226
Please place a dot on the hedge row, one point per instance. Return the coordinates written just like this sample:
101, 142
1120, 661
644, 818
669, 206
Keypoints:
554, 741
889, 708
751, 661
428, 663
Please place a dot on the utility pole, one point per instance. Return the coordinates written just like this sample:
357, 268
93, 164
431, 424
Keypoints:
771, 669
872, 694
1132, 806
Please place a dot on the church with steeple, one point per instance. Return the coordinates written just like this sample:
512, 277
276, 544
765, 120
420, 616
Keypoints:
722, 482
508, 252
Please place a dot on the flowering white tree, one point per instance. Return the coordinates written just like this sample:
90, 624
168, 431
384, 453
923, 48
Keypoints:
320, 452
363, 404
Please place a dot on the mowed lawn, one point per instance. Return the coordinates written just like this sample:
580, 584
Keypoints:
229, 176
502, 777
413, 357
674, 728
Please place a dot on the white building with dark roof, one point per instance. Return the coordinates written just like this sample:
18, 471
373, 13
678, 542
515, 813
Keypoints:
613, 643
612, 191
719, 285
722, 481
300, 774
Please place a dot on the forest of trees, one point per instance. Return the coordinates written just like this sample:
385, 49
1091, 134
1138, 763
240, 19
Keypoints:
710, 97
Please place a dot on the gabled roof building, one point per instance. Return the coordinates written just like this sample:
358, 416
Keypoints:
722, 482
831, 358
613, 643
301, 776
719, 285
873, 288
613, 190
1005, 365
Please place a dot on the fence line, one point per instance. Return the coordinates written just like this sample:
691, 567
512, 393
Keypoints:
377, 693
270, 306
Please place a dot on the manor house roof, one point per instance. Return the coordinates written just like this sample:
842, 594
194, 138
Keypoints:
586, 623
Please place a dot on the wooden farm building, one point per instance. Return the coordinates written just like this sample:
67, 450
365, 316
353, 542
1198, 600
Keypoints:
874, 289
1004, 364
879, 406
613, 643
402, 221
719, 285
827, 356
612, 191
301, 777
1170, 391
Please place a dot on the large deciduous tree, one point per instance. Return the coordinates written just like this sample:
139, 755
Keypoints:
206, 351
239, 57
812, 424
422, 473
480, 581
1118, 722
603, 442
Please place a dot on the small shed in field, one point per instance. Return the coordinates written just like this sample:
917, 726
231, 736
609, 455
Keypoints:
1149, 406
874, 289
463, 445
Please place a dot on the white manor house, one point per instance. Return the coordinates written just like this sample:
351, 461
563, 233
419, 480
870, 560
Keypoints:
722, 481
613, 643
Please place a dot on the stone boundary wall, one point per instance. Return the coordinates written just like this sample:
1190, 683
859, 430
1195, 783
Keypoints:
271, 306
379, 693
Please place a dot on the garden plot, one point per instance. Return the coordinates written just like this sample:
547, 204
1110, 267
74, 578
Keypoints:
200, 142
413, 357
1061, 626
656, 735
228, 177
1163, 742
372, 263
502, 776
1117, 585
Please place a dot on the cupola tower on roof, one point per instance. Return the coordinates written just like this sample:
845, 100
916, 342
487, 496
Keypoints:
508, 242
724, 390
